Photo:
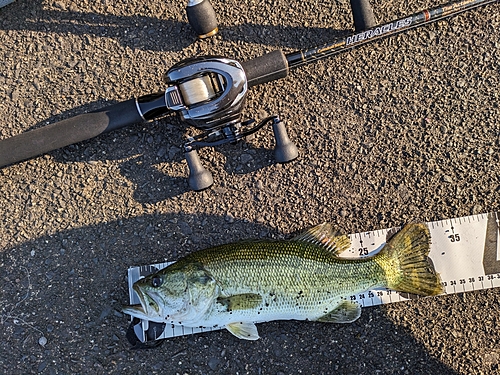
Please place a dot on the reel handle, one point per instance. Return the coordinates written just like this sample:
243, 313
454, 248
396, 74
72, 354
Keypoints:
199, 177
285, 150
67, 132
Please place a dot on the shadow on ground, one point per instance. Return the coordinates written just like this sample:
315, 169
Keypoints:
141, 32
146, 150
68, 287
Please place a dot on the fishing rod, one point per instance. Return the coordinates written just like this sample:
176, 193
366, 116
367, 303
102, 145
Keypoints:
208, 93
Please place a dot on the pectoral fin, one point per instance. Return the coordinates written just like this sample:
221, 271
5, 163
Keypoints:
241, 301
243, 330
346, 312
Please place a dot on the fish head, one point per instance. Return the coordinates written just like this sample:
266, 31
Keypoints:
174, 294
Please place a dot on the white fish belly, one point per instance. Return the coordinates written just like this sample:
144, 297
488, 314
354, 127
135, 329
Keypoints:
269, 311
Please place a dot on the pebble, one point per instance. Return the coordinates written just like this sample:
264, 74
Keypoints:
42, 341
42, 366
446, 178
213, 363
185, 228
246, 158
14, 95
173, 151
161, 152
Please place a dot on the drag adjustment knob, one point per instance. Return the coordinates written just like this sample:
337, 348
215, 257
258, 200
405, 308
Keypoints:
202, 18
199, 177
285, 150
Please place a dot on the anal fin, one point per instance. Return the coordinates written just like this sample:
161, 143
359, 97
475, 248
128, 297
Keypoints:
346, 312
243, 330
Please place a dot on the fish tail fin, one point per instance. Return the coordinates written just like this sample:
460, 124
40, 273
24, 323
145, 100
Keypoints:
406, 265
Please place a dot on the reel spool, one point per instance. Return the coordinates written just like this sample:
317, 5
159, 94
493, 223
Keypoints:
197, 90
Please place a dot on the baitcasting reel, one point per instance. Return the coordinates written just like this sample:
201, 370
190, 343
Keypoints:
209, 93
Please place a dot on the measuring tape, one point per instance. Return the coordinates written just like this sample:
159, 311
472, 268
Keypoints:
465, 251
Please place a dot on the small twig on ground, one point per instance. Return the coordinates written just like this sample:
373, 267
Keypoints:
17, 320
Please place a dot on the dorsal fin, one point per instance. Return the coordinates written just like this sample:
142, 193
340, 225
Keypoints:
323, 235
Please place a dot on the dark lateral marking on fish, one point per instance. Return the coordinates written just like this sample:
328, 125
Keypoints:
240, 301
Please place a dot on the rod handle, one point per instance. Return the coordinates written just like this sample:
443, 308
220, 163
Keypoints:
362, 14
266, 68
67, 132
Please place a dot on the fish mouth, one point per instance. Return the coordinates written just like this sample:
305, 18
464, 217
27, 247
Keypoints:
136, 311
148, 307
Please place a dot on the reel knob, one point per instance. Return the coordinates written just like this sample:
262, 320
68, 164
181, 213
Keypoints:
285, 150
202, 18
199, 177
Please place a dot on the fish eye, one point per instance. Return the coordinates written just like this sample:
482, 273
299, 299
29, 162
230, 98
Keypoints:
156, 281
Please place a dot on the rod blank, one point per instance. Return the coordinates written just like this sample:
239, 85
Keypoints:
67, 132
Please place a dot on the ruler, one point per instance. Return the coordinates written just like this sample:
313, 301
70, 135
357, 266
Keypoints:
465, 251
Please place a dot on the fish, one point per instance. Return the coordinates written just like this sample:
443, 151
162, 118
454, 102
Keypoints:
238, 285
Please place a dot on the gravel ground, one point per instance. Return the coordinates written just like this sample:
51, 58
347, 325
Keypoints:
398, 130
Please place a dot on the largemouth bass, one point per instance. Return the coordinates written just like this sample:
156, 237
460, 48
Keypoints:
240, 284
